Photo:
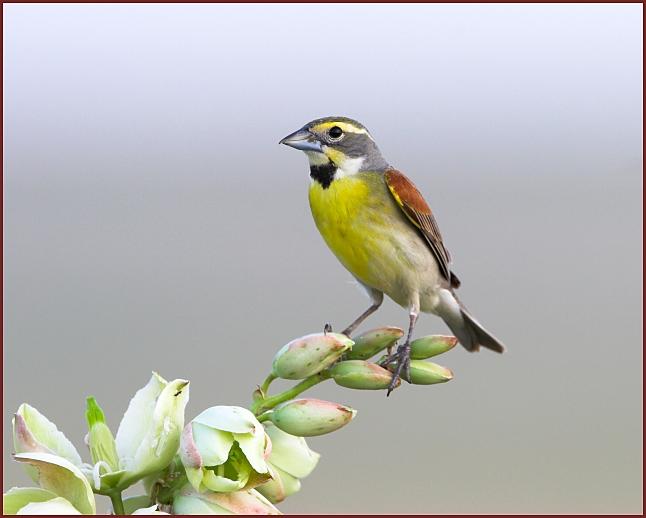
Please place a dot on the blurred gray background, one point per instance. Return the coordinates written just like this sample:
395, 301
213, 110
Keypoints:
153, 222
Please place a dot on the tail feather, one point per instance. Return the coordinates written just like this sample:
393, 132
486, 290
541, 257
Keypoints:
466, 329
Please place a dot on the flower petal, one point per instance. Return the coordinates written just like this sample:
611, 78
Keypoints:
131, 504
291, 453
243, 502
222, 484
280, 487
196, 505
56, 505
240, 502
228, 418
195, 476
161, 442
138, 417
18, 497
110, 480
35, 425
214, 445
149, 510
155, 418
253, 447
273, 490
60, 476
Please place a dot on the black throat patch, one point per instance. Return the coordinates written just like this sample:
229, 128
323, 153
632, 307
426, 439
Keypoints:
323, 174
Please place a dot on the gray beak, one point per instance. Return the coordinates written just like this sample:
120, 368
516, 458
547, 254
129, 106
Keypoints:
303, 140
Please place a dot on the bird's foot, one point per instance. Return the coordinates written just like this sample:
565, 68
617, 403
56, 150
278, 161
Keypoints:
347, 331
398, 364
327, 328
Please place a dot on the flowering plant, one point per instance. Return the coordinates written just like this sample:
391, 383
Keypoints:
227, 459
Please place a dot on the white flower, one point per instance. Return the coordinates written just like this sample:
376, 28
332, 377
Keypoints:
224, 449
149, 433
146, 442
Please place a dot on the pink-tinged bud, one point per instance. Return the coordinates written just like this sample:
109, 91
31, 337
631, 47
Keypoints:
361, 375
367, 344
426, 373
310, 417
309, 355
429, 346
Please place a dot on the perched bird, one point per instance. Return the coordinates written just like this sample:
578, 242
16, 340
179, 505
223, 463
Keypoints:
382, 230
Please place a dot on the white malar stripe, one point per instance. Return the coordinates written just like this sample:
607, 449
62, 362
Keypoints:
349, 167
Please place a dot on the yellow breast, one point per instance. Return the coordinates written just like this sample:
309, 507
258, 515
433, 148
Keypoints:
349, 218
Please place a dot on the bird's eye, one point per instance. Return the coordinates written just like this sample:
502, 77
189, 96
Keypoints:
335, 132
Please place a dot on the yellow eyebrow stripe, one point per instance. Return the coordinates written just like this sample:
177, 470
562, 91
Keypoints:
348, 128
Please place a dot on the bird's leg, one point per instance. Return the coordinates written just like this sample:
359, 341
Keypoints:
402, 356
348, 330
377, 298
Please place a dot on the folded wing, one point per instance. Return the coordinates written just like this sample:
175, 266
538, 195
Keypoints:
412, 203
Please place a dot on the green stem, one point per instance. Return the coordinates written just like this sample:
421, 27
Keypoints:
117, 503
263, 405
264, 416
265, 384
165, 494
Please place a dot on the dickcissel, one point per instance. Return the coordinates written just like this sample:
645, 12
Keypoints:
382, 230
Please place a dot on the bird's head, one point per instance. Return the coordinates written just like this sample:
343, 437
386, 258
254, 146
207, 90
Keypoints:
338, 142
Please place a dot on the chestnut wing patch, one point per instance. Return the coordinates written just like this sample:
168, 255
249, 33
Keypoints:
412, 203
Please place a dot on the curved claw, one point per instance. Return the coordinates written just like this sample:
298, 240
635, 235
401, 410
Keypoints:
402, 357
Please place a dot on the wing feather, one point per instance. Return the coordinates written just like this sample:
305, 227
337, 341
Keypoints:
413, 205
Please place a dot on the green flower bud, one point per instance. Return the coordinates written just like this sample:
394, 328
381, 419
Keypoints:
360, 374
432, 345
310, 417
309, 355
426, 373
371, 342
100, 439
